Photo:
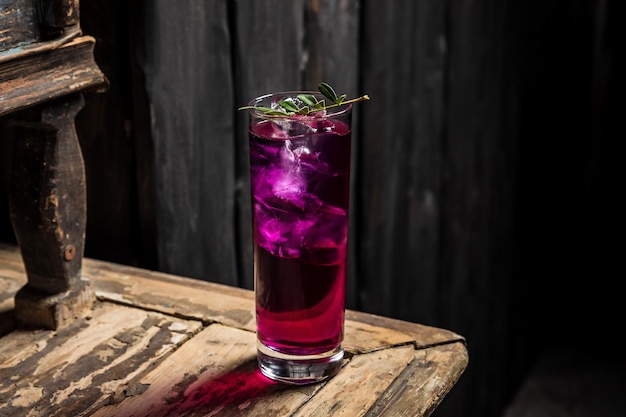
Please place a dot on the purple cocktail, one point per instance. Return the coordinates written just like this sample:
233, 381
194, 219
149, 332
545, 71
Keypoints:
300, 186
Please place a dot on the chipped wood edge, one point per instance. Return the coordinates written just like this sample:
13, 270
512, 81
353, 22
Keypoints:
421, 383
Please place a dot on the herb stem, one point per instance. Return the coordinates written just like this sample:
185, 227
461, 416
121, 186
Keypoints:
352, 100
307, 103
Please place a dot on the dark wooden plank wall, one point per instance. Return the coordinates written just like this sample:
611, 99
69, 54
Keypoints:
480, 143
455, 164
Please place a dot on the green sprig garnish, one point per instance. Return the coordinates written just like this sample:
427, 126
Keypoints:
304, 104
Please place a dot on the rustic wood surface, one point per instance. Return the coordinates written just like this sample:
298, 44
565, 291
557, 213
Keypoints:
156, 344
48, 71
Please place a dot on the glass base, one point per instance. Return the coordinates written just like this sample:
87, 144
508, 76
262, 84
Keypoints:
298, 370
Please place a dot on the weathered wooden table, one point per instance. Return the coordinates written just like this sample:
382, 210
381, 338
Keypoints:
155, 344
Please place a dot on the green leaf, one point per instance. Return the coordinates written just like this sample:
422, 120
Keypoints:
328, 92
259, 108
308, 99
288, 104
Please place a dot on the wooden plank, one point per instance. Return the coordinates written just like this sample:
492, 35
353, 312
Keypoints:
401, 158
225, 382
362, 337
172, 294
189, 382
367, 325
188, 73
75, 370
39, 77
266, 70
332, 39
213, 374
422, 386
481, 142
353, 390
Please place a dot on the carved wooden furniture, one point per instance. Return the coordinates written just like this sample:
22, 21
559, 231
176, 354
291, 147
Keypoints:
46, 64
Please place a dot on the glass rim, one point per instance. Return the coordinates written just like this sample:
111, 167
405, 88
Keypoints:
334, 112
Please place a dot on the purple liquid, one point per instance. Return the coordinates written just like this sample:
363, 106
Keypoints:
300, 194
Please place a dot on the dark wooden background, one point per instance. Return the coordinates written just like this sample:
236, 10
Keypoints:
484, 170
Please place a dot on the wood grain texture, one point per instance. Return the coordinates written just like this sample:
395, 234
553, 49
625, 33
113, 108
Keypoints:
477, 223
418, 381
360, 382
46, 74
401, 158
79, 368
188, 75
171, 294
194, 379
136, 355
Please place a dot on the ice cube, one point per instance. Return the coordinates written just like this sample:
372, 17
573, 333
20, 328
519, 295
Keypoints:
287, 187
325, 241
290, 128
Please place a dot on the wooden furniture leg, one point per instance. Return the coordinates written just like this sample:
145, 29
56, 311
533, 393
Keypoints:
48, 211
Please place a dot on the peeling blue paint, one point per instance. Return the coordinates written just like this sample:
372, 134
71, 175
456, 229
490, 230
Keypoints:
16, 49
